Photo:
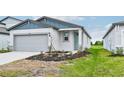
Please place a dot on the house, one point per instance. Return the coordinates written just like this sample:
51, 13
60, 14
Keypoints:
46, 32
4, 37
114, 37
10, 21
4, 34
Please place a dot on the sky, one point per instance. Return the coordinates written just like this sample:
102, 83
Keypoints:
96, 26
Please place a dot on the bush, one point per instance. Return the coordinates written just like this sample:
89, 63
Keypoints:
119, 50
98, 43
4, 51
112, 52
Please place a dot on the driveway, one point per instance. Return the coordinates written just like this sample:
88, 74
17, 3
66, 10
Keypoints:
14, 56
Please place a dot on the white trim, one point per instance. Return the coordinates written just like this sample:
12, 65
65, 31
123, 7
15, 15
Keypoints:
65, 29
30, 33
27, 35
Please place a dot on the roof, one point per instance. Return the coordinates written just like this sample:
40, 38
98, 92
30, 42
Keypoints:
32, 21
11, 18
74, 25
7, 33
112, 26
120, 22
2, 23
47, 25
110, 29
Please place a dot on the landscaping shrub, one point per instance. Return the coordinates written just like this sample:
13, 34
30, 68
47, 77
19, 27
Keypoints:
4, 51
119, 50
98, 43
112, 52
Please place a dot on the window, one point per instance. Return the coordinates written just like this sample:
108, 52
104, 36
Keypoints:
66, 36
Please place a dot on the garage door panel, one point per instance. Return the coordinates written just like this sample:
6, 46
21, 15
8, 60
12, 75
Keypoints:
31, 43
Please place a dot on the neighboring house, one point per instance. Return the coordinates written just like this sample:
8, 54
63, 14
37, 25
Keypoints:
4, 37
40, 34
10, 21
114, 37
4, 34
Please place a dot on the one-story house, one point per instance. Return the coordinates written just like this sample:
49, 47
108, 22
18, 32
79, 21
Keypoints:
4, 37
4, 34
45, 33
114, 37
10, 21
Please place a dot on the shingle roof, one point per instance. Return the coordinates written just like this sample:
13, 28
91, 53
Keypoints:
10, 17
112, 26
73, 25
2, 23
5, 32
119, 22
110, 29
29, 20
47, 25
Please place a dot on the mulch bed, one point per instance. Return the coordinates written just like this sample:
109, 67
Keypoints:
58, 56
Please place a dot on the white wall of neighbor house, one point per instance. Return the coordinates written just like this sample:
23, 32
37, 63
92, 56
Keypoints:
11, 22
51, 31
89, 42
4, 41
122, 35
4, 38
113, 39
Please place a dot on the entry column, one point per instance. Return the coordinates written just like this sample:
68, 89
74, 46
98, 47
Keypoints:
80, 39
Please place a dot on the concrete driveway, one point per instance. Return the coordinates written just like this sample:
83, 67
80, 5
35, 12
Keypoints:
14, 56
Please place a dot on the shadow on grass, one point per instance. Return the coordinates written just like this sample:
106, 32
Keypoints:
116, 55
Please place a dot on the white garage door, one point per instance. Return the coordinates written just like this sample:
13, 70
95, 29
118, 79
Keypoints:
31, 42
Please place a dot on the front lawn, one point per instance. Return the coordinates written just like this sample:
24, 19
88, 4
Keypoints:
98, 64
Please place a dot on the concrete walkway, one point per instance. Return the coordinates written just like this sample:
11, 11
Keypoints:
14, 56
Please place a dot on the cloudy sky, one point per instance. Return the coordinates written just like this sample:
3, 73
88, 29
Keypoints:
96, 26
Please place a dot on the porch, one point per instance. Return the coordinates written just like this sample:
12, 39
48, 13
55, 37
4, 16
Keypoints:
73, 37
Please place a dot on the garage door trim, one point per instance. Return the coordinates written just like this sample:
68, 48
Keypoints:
14, 42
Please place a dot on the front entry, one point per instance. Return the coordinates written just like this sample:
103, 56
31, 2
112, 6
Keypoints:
76, 45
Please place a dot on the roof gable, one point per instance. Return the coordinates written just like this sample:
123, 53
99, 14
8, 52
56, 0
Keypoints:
60, 24
112, 26
57, 23
10, 18
10, 21
28, 24
45, 22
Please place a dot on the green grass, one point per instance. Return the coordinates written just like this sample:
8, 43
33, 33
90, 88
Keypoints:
4, 51
97, 64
